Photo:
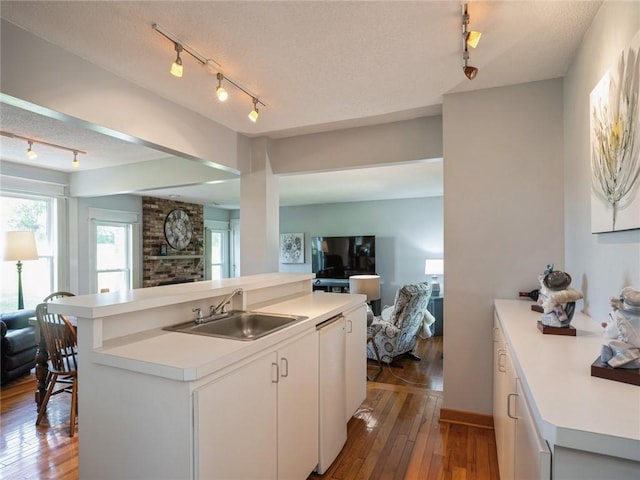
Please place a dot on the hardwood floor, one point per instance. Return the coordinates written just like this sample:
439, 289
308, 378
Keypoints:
396, 433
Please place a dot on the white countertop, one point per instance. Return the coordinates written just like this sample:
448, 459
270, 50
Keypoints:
572, 408
102, 305
186, 357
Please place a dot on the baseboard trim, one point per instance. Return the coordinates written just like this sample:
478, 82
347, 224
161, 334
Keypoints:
472, 419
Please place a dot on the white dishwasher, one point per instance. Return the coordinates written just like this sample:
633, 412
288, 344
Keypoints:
332, 391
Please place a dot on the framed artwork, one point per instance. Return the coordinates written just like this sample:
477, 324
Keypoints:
292, 248
615, 145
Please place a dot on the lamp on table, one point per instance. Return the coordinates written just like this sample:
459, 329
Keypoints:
368, 285
434, 267
19, 247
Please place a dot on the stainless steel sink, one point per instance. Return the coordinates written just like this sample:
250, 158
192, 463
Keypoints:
238, 325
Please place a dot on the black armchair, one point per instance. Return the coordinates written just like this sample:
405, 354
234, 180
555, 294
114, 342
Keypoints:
18, 347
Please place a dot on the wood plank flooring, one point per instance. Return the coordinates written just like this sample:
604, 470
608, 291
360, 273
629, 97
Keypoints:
396, 433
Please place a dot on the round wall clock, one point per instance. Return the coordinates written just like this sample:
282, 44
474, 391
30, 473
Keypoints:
177, 229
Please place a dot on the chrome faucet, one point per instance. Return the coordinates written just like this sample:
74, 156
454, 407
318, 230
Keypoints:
222, 306
199, 315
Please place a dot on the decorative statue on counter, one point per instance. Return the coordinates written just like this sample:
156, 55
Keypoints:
557, 299
623, 332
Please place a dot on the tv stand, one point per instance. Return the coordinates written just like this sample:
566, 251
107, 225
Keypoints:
340, 285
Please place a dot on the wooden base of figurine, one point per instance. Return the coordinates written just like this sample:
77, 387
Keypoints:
624, 375
568, 331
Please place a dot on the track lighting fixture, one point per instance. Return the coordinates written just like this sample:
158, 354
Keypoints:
253, 116
32, 154
176, 66
469, 39
221, 92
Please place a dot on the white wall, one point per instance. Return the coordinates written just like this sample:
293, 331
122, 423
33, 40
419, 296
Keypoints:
503, 181
601, 264
405, 141
407, 232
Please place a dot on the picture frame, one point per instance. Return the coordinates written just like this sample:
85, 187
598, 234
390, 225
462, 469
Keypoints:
614, 108
292, 248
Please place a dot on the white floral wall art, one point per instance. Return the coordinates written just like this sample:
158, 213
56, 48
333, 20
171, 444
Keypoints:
615, 145
292, 248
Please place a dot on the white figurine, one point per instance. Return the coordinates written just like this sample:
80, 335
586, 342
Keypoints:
623, 332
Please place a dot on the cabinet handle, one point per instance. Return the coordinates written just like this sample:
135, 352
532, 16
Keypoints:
501, 366
509, 405
349, 326
277, 373
285, 367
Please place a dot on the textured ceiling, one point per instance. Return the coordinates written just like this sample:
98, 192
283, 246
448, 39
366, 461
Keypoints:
316, 65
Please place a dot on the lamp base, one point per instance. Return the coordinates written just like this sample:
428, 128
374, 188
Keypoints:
435, 289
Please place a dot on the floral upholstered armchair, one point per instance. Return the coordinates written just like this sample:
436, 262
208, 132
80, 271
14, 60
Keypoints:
398, 335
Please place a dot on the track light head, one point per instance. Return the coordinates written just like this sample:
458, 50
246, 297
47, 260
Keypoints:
30, 153
253, 116
220, 91
176, 66
472, 38
76, 162
470, 71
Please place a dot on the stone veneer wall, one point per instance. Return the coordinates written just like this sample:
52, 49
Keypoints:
158, 271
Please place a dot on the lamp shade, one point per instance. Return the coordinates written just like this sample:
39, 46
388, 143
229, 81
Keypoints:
434, 267
19, 246
368, 285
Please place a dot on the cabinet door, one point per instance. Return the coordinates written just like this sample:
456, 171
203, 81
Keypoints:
298, 408
235, 423
532, 454
503, 386
356, 359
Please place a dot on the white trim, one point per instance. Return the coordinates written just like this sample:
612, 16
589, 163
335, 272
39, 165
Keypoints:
216, 225
34, 187
121, 216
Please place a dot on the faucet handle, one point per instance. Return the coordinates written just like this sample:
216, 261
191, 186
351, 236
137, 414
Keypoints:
199, 315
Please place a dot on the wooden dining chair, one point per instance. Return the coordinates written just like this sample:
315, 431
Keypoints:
56, 295
60, 338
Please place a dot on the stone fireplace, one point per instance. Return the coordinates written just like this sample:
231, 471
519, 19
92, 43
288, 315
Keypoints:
177, 266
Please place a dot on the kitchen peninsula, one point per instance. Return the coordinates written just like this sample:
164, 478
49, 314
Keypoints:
160, 404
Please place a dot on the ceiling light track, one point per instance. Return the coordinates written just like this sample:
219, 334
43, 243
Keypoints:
470, 38
33, 155
221, 93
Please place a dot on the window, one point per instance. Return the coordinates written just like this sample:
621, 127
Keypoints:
113, 257
36, 214
217, 255
217, 250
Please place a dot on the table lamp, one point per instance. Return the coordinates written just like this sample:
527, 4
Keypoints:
368, 285
19, 246
434, 267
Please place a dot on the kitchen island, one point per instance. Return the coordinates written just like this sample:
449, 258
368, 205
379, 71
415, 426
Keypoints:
161, 404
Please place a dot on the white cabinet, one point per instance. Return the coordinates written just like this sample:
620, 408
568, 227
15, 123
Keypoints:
504, 383
261, 420
522, 452
298, 408
532, 455
356, 358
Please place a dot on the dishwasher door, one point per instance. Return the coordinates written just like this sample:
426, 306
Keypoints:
332, 391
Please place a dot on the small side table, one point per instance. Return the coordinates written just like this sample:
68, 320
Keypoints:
436, 307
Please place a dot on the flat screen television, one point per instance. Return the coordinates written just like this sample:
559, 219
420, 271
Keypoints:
341, 257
